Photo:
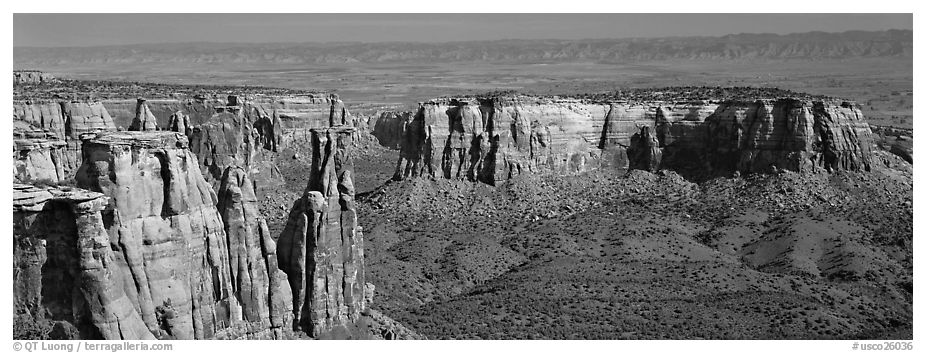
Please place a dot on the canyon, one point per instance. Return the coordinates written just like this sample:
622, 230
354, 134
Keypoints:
149, 242
242, 213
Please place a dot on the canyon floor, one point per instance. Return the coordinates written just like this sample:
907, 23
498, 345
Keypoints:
607, 255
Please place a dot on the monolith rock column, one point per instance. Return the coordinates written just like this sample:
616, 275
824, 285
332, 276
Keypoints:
321, 248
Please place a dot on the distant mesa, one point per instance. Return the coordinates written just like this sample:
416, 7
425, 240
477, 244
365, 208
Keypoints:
31, 77
700, 132
811, 45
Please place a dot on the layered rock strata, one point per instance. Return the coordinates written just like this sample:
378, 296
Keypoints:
169, 238
321, 247
64, 268
495, 139
230, 139
295, 114
64, 121
273, 122
38, 155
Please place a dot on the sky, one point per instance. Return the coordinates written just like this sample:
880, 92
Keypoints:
58, 30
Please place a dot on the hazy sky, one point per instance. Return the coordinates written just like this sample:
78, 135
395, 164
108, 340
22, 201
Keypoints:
112, 29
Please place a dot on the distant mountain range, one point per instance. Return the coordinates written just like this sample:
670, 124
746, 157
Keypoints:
810, 45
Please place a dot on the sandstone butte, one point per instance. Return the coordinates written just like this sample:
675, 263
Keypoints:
495, 139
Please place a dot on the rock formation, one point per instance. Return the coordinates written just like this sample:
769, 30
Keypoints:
64, 268
261, 286
295, 114
63, 121
32, 77
494, 139
321, 247
144, 119
228, 139
643, 152
179, 122
168, 236
37, 155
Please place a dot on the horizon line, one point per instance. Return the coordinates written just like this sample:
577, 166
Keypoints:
458, 41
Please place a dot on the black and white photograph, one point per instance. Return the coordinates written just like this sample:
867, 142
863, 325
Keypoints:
452, 175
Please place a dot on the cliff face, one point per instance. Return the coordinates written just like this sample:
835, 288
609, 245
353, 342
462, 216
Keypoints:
496, 139
321, 247
62, 121
297, 114
224, 131
63, 267
37, 155
229, 139
169, 238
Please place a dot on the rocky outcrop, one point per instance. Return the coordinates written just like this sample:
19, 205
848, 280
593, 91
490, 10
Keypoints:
64, 268
179, 122
41, 116
37, 155
32, 77
796, 135
63, 121
643, 152
229, 139
144, 119
288, 121
271, 115
494, 139
321, 247
261, 287
168, 236
198, 109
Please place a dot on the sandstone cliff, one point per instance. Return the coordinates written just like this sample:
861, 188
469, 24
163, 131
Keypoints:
63, 121
37, 155
321, 248
64, 269
495, 139
295, 113
225, 131
229, 139
168, 236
